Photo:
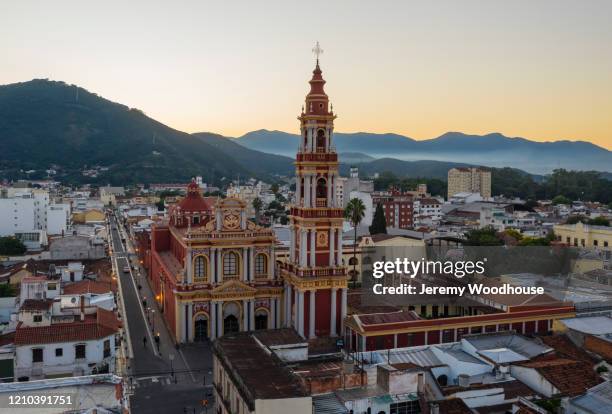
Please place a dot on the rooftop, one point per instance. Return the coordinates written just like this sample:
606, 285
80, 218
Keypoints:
279, 337
597, 400
328, 404
36, 304
423, 357
512, 389
569, 377
385, 318
248, 364
594, 325
453, 406
88, 286
492, 345
97, 326
565, 348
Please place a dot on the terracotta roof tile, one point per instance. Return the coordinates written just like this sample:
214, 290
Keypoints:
103, 324
88, 286
382, 318
568, 376
565, 348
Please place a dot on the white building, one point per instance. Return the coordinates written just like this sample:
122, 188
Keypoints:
17, 215
48, 344
426, 211
27, 211
38, 287
59, 219
345, 186
369, 206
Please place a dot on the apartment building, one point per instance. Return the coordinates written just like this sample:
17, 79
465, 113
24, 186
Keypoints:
469, 180
398, 207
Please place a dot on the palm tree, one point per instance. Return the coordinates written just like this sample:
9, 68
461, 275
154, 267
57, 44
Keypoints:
257, 205
354, 213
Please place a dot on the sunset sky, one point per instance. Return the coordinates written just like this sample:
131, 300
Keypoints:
537, 69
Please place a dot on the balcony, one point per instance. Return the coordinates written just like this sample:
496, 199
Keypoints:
321, 202
317, 157
339, 271
330, 212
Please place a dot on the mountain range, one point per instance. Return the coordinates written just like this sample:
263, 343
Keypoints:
53, 125
493, 150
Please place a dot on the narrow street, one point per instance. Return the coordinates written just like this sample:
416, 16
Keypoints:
165, 379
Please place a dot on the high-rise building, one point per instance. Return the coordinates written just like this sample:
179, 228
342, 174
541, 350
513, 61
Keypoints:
469, 180
315, 278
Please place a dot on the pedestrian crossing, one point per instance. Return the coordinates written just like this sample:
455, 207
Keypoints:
144, 382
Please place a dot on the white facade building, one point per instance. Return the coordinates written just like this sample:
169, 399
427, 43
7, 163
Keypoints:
29, 211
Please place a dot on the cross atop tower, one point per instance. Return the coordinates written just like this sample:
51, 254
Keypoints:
317, 51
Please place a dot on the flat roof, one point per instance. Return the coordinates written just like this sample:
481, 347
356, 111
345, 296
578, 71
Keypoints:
256, 373
278, 337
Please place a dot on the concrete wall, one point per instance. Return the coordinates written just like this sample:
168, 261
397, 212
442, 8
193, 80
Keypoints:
67, 363
75, 248
534, 380
301, 405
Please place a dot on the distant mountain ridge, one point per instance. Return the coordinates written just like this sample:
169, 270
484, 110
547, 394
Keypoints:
48, 124
494, 150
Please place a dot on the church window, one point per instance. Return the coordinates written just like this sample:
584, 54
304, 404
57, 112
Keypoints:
261, 265
199, 268
230, 264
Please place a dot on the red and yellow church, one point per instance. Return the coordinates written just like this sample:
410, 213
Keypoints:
213, 271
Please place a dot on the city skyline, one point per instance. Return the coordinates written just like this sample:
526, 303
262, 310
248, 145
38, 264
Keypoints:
414, 69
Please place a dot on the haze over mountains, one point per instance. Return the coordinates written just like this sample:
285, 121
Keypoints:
47, 124
494, 150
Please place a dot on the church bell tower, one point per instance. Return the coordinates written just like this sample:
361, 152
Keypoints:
315, 277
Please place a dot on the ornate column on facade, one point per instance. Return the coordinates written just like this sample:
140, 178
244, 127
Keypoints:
312, 315
332, 320
213, 320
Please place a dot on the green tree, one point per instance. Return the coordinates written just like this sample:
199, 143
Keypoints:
7, 291
599, 221
379, 223
561, 199
274, 188
515, 234
257, 205
575, 219
534, 241
354, 214
483, 237
12, 246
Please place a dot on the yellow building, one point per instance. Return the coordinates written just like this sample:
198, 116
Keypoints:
584, 235
377, 240
89, 217
469, 180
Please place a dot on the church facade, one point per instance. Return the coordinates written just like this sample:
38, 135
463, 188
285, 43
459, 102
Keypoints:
213, 270
315, 279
